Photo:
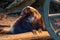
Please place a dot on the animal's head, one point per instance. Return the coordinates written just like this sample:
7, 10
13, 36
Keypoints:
30, 11
26, 11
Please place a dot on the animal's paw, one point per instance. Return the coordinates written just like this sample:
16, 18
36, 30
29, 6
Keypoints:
40, 30
34, 32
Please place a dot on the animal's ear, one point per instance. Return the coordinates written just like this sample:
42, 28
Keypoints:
28, 7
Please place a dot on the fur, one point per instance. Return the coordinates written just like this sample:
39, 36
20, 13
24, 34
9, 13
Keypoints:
30, 19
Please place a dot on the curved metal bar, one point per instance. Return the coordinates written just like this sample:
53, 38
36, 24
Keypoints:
47, 22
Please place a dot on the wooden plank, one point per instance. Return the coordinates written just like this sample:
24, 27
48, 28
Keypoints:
27, 35
19, 7
14, 3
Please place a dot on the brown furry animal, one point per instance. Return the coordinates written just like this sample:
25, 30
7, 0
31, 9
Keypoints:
32, 19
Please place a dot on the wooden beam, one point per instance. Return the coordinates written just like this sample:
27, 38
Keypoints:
25, 36
19, 6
